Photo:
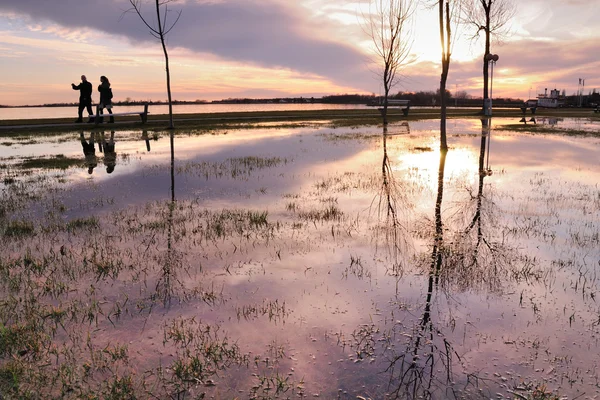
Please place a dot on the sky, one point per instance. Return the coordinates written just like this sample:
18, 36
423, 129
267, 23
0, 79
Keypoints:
223, 49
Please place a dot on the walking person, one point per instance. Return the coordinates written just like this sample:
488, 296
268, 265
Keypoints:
85, 98
105, 98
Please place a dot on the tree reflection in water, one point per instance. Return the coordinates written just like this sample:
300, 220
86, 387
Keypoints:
172, 259
412, 375
392, 198
474, 259
464, 256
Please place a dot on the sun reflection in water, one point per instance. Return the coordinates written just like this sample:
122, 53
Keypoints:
425, 160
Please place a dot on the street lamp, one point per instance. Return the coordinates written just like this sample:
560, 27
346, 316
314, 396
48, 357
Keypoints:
491, 58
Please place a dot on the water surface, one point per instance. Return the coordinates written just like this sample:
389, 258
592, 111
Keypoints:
310, 260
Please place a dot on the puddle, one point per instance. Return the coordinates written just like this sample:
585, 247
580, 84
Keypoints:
302, 261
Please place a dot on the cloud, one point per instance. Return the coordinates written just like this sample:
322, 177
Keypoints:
555, 64
233, 47
265, 33
559, 19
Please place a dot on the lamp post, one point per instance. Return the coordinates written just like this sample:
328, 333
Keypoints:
487, 105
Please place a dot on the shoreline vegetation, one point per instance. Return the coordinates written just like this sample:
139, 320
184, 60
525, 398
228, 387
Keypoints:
419, 99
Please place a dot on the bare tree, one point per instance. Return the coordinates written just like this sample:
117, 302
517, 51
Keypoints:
159, 28
445, 36
388, 26
489, 18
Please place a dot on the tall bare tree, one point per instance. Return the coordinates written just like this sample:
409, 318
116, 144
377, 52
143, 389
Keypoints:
388, 25
159, 28
444, 14
489, 18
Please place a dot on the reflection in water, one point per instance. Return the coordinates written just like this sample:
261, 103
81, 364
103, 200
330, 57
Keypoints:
412, 327
461, 259
474, 259
110, 156
391, 194
146, 138
89, 151
525, 120
483, 172
172, 260
411, 375
552, 121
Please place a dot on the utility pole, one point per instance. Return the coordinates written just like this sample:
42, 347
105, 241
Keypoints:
580, 88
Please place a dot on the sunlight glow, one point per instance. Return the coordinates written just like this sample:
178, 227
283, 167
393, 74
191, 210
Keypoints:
459, 161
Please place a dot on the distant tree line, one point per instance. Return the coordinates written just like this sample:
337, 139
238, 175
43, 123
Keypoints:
246, 100
422, 98
592, 99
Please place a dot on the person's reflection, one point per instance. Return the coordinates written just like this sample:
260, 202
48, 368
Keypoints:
89, 151
110, 156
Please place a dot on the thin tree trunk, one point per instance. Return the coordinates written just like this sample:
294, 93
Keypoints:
445, 40
385, 107
162, 41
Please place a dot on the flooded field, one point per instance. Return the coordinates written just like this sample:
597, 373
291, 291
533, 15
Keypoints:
301, 261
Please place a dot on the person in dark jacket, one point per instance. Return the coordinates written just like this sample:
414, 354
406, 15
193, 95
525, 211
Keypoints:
105, 97
85, 98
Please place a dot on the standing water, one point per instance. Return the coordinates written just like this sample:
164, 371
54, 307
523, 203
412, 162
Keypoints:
280, 262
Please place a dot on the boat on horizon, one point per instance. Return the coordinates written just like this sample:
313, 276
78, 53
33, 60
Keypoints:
554, 100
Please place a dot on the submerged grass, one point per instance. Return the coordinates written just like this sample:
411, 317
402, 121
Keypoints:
58, 161
236, 168
83, 223
546, 129
19, 229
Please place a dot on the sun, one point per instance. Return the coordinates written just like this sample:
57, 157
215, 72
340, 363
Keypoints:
426, 42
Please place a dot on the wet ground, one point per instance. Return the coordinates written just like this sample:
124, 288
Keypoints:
302, 261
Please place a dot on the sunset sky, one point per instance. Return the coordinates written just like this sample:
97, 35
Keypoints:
276, 48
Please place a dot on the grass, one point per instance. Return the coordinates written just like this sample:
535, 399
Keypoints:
83, 223
330, 213
19, 229
59, 161
546, 129
201, 351
236, 168
275, 310
533, 392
